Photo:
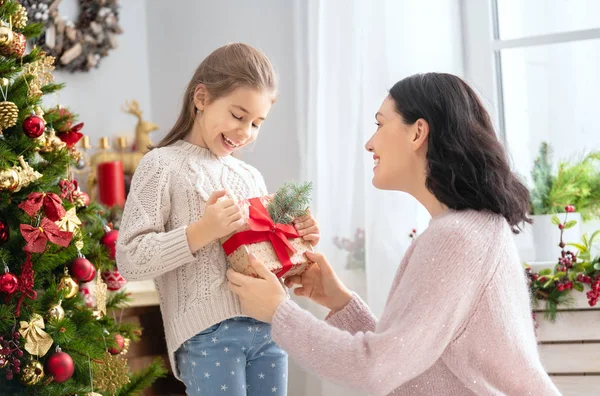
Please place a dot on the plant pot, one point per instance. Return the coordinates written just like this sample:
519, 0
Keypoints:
546, 236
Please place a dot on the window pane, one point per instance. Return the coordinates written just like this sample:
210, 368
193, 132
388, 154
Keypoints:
521, 18
551, 93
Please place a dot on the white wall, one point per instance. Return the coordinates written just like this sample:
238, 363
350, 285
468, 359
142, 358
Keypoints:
123, 75
181, 37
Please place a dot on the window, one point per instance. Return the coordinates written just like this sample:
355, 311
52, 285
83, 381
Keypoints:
537, 63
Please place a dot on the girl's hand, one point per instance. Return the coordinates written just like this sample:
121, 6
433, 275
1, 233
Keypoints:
308, 229
321, 284
220, 219
260, 297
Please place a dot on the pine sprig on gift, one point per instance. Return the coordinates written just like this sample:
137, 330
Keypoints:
290, 201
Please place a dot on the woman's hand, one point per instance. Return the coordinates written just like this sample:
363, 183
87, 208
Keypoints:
321, 284
308, 229
260, 297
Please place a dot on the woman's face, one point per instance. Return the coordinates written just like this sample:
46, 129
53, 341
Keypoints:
399, 150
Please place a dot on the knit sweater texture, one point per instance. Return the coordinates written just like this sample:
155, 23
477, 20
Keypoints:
457, 321
168, 192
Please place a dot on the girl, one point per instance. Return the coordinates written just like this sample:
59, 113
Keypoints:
458, 318
182, 200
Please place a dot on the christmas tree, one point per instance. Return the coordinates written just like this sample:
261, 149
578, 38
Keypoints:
54, 339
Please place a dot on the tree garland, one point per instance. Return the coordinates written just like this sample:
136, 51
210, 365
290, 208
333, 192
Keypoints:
80, 45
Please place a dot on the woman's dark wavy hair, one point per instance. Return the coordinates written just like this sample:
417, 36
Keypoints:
467, 165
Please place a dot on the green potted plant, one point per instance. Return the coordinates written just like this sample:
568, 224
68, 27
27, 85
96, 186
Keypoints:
574, 183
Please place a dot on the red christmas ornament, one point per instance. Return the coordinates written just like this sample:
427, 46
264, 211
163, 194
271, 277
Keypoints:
8, 282
16, 48
34, 126
60, 365
110, 240
82, 269
570, 208
120, 345
4, 232
113, 279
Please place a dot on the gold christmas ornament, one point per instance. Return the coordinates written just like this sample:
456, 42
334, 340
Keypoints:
4, 82
9, 179
100, 294
9, 113
6, 35
19, 19
27, 174
56, 311
70, 287
51, 142
37, 341
32, 372
127, 342
4, 360
111, 373
41, 71
70, 222
93, 394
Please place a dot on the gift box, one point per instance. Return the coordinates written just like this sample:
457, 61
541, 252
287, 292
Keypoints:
277, 245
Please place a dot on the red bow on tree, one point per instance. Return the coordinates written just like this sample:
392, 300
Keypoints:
38, 237
67, 188
52, 205
72, 135
262, 229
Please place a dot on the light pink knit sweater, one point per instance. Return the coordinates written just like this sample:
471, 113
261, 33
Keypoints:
457, 321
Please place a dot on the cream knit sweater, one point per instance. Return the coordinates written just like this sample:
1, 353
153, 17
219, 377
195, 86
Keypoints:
169, 190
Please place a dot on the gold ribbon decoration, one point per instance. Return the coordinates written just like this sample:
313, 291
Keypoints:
37, 341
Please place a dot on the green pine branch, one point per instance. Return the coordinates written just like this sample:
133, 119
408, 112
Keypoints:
291, 201
144, 379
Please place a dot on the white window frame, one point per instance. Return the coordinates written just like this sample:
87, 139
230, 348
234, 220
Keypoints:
482, 52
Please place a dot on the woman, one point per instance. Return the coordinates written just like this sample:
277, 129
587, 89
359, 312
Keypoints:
458, 318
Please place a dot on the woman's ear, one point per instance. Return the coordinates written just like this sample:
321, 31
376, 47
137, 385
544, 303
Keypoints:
421, 134
201, 97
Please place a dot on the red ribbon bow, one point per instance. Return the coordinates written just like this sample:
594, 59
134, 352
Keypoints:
38, 237
72, 135
262, 229
52, 205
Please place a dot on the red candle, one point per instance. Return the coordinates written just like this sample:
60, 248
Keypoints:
111, 183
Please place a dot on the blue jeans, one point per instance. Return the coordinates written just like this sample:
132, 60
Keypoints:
235, 357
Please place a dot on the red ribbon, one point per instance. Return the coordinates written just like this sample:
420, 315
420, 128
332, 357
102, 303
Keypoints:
72, 135
37, 237
52, 205
262, 229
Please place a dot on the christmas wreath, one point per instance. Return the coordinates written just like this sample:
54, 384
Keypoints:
77, 46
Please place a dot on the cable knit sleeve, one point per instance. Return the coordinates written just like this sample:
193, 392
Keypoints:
429, 308
144, 249
354, 317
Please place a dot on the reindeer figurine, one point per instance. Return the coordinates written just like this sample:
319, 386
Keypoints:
142, 129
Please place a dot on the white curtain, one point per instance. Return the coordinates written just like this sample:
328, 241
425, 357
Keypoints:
350, 53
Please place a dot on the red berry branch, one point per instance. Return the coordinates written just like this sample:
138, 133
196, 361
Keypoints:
572, 271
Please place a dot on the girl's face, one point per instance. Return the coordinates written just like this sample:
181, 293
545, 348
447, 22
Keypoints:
399, 150
230, 122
